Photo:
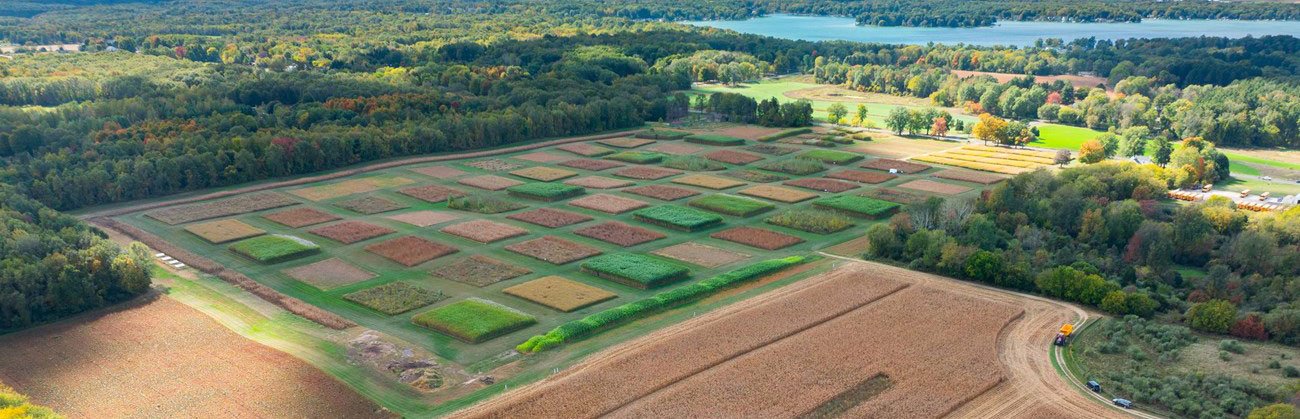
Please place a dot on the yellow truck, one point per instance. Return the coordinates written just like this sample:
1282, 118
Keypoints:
1063, 335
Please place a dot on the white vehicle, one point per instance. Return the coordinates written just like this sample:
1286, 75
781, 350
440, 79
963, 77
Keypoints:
1268, 178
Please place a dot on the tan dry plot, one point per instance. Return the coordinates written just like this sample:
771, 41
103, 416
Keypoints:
894, 147
544, 174
424, 218
370, 205
584, 149
349, 187
664, 192
553, 249
221, 231
438, 172
969, 176
158, 358
592, 164
484, 231
220, 208
626, 142
411, 250
300, 217
733, 157
646, 173
559, 293
935, 187
702, 255
899, 165
540, 157
707, 181
489, 182
598, 182
495, 165
431, 193
608, 203
675, 148
329, 274
777, 193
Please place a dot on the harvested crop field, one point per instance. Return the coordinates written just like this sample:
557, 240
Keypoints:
544, 174
489, 182
559, 293
757, 237
494, 165
183, 364
552, 218
221, 208
553, 249
608, 203
675, 148
300, 217
598, 182
935, 187
349, 187
431, 193
329, 274
585, 150
863, 177
707, 181
824, 185
479, 271
540, 157
777, 193
619, 233
646, 173
410, 250
899, 165
424, 218
969, 176
592, 165
733, 157
484, 231
221, 231
626, 142
349, 232
438, 172
370, 205
663, 192
702, 255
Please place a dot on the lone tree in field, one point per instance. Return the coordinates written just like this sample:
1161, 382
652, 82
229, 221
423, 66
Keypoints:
897, 120
1062, 157
835, 113
862, 114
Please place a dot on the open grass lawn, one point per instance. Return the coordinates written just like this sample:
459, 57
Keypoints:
789, 89
1063, 136
1257, 186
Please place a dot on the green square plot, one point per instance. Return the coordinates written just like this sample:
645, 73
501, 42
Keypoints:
545, 191
635, 270
274, 248
831, 156
474, 320
731, 205
859, 206
677, 217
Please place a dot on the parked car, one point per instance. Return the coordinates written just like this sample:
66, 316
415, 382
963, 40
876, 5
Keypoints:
1123, 403
1094, 386
1268, 178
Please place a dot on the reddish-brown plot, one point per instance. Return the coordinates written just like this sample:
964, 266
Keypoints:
733, 157
699, 254
547, 217
489, 182
625, 142
370, 205
484, 231
300, 217
757, 237
608, 203
969, 176
597, 182
585, 150
592, 165
646, 173
899, 165
424, 218
329, 274
540, 157
664, 192
349, 232
493, 165
935, 187
553, 249
220, 208
824, 185
619, 233
674, 148
431, 193
479, 271
438, 172
861, 176
410, 250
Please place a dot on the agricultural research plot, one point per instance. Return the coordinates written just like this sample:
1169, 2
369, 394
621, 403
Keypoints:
757, 237
348, 232
349, 187
474, 320
675, 149
484, 231
489, 182
707, 181
493, 165
969, 176
701, 255
857, 206
635, 270
479, 271
559, 293
715, 140
553, 250
733, 157
545, 191
610, 204
544, 174
662, 192
831, 156
678, 217
619, 233
777, 193
598, 182
547, 217
863, 177
221, 231
637, 157
540, 157
484, 204
439, 172
410, 250
798, 167
646, 173
329, 274
395, 297
424, 218
592, 165
812, 221
899, 165
300, 217
221, 208
731, 205
585, 150
771, 149
896, 195
823, 185
935, 187
370, 205
431, 193
625, 142
755, 176
274, 248
991, 159
692, 164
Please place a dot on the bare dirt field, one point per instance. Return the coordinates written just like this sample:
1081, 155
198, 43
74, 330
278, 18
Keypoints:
1077, 81
619, 233
158, 358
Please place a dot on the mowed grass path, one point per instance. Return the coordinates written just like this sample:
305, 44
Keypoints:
776, 88
1071, 138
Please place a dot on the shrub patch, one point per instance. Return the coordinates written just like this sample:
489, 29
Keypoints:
831, 156
638, 157
793, 166
545, 191
483, 204
713, 139
395, 297
861, 176
479, 271
812, 221
489, 182
543, 174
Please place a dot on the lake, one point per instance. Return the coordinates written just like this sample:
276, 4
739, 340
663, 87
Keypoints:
826, 28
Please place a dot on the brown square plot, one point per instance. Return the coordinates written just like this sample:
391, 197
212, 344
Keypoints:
592, 165
484, 231
493, 165
936, 187
410, 250
370, 205
646, 173
439, 172
896, 195
902, 166
479, 271
608, 203
300, 217
547, 217
489, 182
707, 181
598, 182
559, 293
779, 194
675, 148
553, 249
702, 255
861, 176
349, 232
824, 185
585, 150
424, 218
625, 142
544, 174
619, 233
733, 157
772, 149
221, 231
329, 274
431, 193
757, 237
664, 192
540, 157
